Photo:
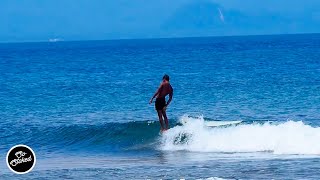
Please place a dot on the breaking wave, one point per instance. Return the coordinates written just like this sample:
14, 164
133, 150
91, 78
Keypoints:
288, 137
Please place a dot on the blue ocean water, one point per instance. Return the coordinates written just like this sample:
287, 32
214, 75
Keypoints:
83, 108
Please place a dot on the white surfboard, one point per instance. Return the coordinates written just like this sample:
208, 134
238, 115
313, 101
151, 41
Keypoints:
220, 123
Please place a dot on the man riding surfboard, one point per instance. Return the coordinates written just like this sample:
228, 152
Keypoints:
161, 104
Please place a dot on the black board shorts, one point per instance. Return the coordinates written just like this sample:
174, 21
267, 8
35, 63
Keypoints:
160, 103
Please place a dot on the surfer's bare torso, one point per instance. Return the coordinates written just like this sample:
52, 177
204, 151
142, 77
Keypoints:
164, 90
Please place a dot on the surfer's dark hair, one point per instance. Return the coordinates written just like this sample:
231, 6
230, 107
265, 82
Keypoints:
166, 77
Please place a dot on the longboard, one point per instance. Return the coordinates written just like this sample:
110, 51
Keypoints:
220, 123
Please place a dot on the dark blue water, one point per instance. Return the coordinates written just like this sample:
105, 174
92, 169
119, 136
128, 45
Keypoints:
83, 107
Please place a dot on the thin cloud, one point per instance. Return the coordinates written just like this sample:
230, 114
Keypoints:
221, 15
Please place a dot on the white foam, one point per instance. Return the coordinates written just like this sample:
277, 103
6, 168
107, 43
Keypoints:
284, 138
213, 178
221, 123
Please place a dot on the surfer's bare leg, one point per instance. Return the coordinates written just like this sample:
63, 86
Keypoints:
160, 119
165, 119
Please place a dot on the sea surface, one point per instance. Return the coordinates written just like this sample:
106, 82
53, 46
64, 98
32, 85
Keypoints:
243, 108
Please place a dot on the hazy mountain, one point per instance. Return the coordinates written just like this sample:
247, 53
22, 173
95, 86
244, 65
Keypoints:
208, 18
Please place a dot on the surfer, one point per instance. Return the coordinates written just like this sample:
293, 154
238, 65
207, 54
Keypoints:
161, 104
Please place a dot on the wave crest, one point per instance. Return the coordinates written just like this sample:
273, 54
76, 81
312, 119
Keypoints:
282, 138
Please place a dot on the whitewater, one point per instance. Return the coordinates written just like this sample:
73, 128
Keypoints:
289, 137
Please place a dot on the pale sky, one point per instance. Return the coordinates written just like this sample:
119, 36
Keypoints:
34, 20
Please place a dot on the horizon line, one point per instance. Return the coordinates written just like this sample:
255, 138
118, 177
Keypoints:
152, 38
